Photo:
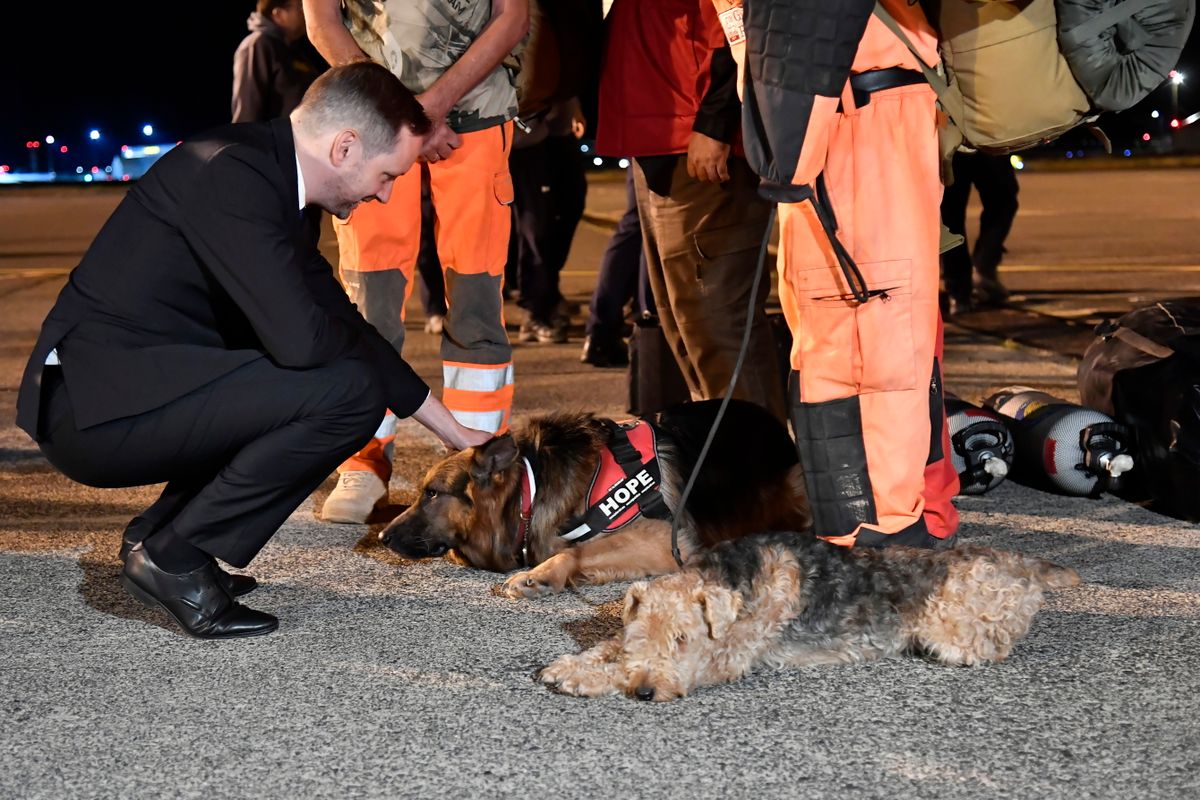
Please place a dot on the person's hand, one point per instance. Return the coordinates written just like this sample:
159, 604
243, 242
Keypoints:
707, 159
440, 143
466, 437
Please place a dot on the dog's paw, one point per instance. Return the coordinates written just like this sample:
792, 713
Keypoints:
525, 586
571, 675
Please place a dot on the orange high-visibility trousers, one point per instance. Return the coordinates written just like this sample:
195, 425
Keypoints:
378, 246
880, 171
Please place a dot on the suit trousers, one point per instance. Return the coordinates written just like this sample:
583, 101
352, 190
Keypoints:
238, 455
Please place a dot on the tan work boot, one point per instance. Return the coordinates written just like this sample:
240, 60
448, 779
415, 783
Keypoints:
354, 498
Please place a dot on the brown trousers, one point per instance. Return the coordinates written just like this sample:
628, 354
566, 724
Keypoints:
702, 242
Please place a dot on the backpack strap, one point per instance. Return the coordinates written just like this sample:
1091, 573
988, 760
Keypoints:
950, 99
952, 102
1101, 22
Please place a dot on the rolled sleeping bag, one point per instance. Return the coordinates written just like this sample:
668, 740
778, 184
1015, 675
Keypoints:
1121, 50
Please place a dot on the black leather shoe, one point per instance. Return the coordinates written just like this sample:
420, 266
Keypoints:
196, 600
236, 585
602, 351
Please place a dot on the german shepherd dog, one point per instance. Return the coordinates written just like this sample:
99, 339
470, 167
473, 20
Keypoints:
504, 505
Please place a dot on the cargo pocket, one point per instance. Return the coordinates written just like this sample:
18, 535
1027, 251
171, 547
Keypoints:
503, 187
885, 329
712, 246
847, 347
498, 221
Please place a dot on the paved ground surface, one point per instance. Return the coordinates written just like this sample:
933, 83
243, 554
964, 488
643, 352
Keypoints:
397, 679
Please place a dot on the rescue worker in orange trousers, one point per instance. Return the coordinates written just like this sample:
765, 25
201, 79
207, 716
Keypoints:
458, 56
843, 130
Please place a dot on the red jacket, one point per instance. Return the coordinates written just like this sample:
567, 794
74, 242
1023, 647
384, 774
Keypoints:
657, 83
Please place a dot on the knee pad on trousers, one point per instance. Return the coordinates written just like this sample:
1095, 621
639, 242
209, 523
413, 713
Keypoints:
829, 440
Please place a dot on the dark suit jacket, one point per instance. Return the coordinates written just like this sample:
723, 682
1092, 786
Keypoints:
203, 267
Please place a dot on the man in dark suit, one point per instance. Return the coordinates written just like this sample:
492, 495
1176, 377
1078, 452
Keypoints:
204, 342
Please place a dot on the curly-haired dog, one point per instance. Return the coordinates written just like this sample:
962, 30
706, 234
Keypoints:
528, 500
785, 600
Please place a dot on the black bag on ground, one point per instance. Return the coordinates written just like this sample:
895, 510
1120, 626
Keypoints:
655, 381
1144, 370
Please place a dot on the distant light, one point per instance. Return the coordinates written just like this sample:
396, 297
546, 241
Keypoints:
79, 170
108, 169
1176, 76
124, 148
583, 148
1128, 153
49, 140
1079, 154
623, 163
62, 149
1154, 115
1174, 123
147, 130
87, 178
1145, 137
125, 177
1070, 154
599, 162
151, 150
3, 167
1016, 161
93, 134
95, 169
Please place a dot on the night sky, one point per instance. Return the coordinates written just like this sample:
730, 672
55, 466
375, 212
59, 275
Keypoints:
125, 66
120, 66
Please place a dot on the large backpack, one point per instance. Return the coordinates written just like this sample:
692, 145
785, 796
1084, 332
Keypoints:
1144, 370
1014, 75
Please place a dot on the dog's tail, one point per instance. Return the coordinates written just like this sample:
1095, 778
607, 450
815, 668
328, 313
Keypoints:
1051, 575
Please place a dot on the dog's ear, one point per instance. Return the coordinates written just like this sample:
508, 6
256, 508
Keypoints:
633, 598
721, 607
492, 457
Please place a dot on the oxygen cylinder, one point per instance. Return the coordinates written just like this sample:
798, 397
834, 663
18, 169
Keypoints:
982, 448
1072, 449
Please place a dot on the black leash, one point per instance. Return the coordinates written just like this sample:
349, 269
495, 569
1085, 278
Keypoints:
737, 368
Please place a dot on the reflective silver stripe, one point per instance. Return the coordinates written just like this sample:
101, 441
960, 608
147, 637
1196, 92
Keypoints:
387, 428
480, 420
574, 534
483, 378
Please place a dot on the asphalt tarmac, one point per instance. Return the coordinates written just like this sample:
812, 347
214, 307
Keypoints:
390, 678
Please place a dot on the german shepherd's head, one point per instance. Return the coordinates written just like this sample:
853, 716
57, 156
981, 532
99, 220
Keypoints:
466, 507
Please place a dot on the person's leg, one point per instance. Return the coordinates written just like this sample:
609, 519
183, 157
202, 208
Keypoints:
996, 182
861, 407
533, 220
472, 196
708, 238
654, 179
941, 479
433, 289
616, 286
569, 190
956, 263
266, 436
377, 250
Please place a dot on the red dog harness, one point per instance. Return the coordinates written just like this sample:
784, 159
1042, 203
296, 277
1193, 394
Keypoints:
625, 485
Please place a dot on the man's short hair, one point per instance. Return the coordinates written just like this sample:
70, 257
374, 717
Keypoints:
265, 7
364, 96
